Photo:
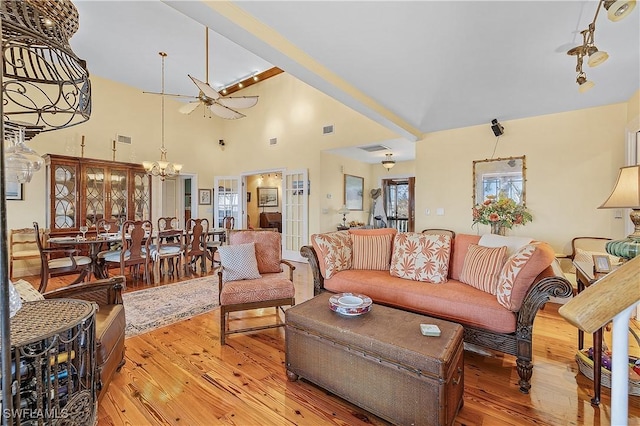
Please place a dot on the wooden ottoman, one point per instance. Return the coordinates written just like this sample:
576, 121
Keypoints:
378, 361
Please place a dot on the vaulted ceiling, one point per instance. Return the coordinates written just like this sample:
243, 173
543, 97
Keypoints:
414, 66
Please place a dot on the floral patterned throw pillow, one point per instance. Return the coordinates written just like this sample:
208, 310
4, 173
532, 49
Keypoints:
421, 257
334, 252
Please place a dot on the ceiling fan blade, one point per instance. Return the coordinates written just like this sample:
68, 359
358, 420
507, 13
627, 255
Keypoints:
208, 91
224, 112
175, 95
239, 101
189, 108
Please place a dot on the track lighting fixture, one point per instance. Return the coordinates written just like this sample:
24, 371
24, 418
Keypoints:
617, 9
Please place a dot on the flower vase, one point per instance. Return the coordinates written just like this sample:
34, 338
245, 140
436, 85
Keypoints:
498, 229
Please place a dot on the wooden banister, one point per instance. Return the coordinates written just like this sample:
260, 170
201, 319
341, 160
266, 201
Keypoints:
599, 303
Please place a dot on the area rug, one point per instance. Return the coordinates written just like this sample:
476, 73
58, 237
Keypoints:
157, 307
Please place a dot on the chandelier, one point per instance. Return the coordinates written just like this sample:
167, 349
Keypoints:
388, 162
20, 161
162, 167
616, 10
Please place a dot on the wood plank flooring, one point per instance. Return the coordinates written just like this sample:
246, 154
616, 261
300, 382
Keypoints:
179, 375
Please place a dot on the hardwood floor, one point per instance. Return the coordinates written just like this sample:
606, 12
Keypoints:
179, 375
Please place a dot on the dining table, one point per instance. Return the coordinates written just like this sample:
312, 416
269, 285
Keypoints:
94, 245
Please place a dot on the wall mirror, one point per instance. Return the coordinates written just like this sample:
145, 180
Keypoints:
353, 192
499, 176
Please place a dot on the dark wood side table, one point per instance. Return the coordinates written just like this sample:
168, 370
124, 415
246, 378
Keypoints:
585, 276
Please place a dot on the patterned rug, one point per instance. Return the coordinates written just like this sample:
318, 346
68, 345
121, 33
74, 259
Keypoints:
157, 307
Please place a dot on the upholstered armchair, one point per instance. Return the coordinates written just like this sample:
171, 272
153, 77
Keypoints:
251, 277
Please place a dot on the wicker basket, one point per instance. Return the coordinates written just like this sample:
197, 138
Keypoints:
586, 367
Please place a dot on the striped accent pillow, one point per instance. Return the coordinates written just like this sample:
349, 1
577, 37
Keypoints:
372, 252
481, 267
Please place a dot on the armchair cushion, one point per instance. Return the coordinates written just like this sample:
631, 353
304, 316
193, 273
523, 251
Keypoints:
65, 262
239, 262
269, 287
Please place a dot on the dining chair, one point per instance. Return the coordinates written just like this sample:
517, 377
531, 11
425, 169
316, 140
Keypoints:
136, 251
168, 223
170, 248
251, 277
196, 243
59, 261
439, 231
228, 223
23, 246
113, 226
582, 250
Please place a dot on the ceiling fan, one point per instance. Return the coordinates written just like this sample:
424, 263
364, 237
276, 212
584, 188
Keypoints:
222, 106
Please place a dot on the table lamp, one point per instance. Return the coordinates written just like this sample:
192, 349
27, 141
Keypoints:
344, 211
626, 194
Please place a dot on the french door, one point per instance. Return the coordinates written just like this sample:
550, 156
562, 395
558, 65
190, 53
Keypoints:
295, 210
226, 200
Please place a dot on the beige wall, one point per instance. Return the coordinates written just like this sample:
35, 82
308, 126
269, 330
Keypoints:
572, 162
572, 158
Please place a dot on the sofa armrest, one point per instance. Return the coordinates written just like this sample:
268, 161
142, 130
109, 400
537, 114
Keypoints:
318, 280
550, 283
103, 292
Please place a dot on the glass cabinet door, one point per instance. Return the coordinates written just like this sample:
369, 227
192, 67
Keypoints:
63, 196
94, 195
141, 196
118, 195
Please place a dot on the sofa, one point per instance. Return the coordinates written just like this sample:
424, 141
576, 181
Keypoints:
492, 285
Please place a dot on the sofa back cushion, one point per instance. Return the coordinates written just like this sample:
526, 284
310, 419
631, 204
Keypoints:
421, 257
460, 247
512, 242
520, 271
371, 251
334, 252
482, 265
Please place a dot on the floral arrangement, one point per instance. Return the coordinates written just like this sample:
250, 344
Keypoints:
501, 211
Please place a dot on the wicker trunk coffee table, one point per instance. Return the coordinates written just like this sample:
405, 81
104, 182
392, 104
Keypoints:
378, 361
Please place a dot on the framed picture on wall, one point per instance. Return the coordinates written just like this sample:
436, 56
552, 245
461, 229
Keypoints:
267, 197
13, 191
204, 196
353, 190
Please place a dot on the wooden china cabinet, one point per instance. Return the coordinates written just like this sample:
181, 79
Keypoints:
83, 190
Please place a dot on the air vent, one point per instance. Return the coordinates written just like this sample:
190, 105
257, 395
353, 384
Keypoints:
124, 139
327, 130
273, 141
374, 148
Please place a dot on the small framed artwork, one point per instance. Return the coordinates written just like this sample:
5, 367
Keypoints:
601, 264
204, 196
267, 197
248, 196
353, 190
14, 191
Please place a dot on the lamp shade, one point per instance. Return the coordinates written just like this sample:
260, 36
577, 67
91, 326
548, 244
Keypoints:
626, 192
343, 210
619, 9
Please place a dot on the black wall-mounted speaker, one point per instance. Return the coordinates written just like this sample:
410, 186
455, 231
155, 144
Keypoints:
497, 128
